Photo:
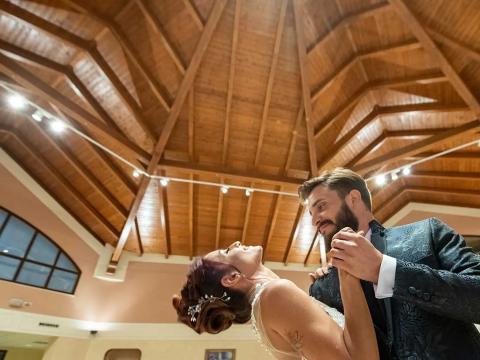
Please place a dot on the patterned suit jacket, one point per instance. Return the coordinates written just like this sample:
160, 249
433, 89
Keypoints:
436, 295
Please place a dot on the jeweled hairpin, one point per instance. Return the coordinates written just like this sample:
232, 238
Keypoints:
194, 310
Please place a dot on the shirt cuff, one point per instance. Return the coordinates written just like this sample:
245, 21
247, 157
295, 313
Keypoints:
386, 278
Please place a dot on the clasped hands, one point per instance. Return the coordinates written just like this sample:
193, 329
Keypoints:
352, 252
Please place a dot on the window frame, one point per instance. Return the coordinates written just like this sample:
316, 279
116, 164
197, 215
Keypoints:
23, 259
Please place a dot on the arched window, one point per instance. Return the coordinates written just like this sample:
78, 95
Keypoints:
29, 257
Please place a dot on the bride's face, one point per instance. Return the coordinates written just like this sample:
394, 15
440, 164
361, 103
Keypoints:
247, 259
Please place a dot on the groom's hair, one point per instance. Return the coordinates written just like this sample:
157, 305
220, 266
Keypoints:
342, 181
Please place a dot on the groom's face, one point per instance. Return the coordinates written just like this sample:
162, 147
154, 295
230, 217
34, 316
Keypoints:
330, 213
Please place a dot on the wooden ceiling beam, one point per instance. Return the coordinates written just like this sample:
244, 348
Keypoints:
294, 233
379, 111
294, 136
182, 93
66, 71
457, 155
81, 169
191, 186
456, 44
246, 217
423, 145
306, 96
231, 76
349, 105
349, 19
158, 28
222, 172
139, 238
165, 218
75, 111
312, 244
90, 48
110, 163
158, 90
425, 189
357, 58
436, 54
375, 144
271, 78
40, 159
273, 221
219, 218
192, 10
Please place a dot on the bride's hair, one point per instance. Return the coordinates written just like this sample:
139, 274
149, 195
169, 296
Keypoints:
204, 279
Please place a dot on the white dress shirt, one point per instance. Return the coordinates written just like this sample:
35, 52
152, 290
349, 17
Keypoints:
386, 277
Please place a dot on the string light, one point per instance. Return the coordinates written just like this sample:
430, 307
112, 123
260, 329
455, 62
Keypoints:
57, 125
406, 171
381, 180
18, 102
136, 173
37, 116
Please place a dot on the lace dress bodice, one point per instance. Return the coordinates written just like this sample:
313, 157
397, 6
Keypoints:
261, 334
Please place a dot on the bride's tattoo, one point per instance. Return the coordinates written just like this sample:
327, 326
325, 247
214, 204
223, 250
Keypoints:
296, 340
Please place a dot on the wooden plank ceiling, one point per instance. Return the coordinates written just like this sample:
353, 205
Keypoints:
256, 93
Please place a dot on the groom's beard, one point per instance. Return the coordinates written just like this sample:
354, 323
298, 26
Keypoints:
344, 218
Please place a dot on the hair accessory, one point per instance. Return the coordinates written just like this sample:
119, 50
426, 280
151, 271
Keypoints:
194, 310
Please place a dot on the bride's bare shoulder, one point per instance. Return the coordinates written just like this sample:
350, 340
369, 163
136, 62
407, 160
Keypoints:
280, 293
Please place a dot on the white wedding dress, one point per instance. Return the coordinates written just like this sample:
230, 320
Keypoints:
261, 334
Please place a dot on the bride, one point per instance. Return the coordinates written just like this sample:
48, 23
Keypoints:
233, 286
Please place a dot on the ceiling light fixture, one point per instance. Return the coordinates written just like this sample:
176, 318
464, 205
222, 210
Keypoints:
164, 182
16, 101
224, 189
380, 180
37, 116
57, 126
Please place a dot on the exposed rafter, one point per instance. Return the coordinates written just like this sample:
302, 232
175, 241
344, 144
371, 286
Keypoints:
158, 90
192, 10
307, 101
76, 112
271, 77
437, 56
89, 47
348, 19
456, 44
312, 244
164, 218
350, 103
379, 111
357, 58
294, 233
171, 121
42, 161
139, 237
157, 27
231, 77
424, 145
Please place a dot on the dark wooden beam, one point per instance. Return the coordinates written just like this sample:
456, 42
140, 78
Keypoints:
294, 232
423, 145
182, 93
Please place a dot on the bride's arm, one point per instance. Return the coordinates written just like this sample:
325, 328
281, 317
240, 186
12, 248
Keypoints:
359, 333
305, 328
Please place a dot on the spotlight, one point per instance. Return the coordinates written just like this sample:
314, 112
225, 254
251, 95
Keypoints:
406, 171
394, 176
16, 101
224, 189
380, 180
164, 182
37, 116
136, 173
57, 126
248, 192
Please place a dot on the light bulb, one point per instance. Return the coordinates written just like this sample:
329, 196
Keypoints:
248, 192
224, 189
37, 116
16, 101
57, 126
136, 173
394, 176
406, 171
164, 181
380, 180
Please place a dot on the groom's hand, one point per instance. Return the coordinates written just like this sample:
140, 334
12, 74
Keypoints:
356, 255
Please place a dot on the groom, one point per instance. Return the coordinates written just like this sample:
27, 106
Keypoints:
421, 282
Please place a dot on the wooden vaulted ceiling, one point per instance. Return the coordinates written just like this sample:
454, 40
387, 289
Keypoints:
253, 93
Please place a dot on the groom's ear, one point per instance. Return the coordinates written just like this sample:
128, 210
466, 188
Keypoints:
231, 279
